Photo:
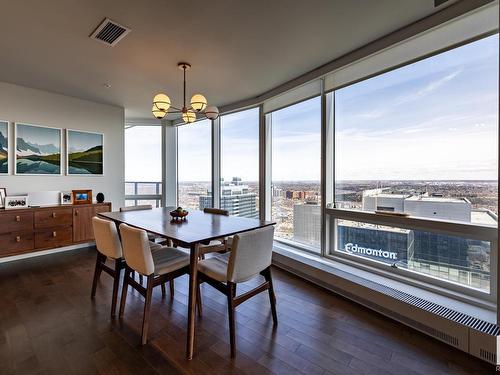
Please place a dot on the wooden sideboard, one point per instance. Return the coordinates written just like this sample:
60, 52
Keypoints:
40, 228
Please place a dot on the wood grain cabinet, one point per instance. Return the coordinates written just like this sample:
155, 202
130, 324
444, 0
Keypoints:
34, 229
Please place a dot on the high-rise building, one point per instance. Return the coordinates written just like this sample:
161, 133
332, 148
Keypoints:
235, 198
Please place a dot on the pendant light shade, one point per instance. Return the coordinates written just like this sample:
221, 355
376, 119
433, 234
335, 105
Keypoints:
158, 113
212, 112
198, 102
161, 102
189, 117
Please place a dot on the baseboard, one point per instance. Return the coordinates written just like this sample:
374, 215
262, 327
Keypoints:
46, 252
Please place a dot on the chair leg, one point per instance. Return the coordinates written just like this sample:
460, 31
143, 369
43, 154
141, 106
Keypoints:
128, 273
199, 304
97, 272
163, 291
147, 308
272, 297
116, 282
231, 293
172, 289
141, 279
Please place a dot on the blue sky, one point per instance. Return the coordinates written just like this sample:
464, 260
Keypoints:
434, 119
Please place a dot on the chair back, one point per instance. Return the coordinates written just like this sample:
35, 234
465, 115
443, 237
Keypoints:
106, 236
251, 253
136, 250
216, 211
136, 208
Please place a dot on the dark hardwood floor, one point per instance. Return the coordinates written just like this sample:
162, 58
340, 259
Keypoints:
49, 325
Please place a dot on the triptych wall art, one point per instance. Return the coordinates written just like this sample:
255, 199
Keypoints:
37, 151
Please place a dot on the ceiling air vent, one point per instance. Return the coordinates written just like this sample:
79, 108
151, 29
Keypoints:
109, 32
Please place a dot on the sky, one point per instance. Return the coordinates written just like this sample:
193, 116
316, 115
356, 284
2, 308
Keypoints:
435, 119
143, 153
82, 141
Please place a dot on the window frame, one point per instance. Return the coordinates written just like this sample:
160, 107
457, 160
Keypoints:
332, 213
268, 182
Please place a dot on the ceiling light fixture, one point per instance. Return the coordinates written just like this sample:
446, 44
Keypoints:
162, 105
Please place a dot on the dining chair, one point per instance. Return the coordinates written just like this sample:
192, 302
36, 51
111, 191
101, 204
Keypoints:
157, 266
250, 257
217, 245
151, 236
109, 246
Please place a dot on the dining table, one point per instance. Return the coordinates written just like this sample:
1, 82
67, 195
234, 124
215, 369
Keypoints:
197, 228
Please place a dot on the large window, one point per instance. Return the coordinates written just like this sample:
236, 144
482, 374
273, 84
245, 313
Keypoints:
194, 163
296, 171
240, 163
422, 140
143, 165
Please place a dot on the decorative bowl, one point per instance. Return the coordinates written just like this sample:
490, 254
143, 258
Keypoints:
176, 215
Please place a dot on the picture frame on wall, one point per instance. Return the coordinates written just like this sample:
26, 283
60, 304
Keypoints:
82, 196
37, 150
16, 202
3, 194
84, 153
4, 147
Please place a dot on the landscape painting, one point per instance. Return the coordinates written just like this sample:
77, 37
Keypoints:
4, 147
38, 150
84, 152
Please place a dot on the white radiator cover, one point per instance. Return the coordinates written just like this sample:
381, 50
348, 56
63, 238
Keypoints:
482, 342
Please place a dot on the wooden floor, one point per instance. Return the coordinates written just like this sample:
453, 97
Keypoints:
49, 325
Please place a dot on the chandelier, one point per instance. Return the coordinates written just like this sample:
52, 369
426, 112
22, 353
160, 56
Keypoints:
162, 105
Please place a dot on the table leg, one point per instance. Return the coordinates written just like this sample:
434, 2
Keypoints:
192, 299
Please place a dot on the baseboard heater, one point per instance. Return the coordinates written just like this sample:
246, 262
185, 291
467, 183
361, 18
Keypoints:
471, 335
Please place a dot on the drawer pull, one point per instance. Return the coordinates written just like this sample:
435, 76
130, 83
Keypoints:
18, 218
54, 234
18, 238
54, 215
76, 212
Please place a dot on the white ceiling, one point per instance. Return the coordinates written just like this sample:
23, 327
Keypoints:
238, 48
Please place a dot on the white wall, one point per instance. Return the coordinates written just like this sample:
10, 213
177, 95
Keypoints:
22, 104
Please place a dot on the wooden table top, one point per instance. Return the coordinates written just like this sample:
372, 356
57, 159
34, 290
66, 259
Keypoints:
198, 226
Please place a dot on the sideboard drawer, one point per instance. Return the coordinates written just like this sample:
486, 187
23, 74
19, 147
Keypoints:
16, 242
16, 221
53, 217
53, 237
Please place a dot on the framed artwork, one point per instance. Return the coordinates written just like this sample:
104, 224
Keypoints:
38, 150
82, 196
3, 194
4, 147
84, 153
66, 197
14, 202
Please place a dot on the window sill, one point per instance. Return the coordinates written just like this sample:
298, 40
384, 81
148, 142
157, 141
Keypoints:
321, 270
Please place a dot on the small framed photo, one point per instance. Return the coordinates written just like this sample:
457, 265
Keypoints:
3, 194
66, 197
15, 202
82, 196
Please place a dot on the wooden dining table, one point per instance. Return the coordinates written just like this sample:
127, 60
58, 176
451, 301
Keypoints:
197, 228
